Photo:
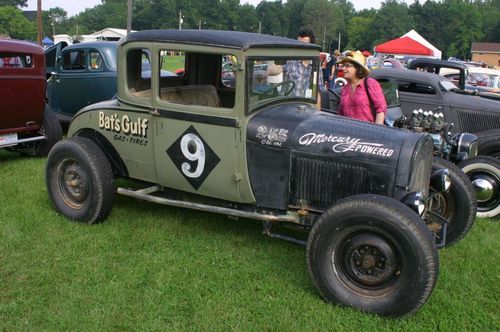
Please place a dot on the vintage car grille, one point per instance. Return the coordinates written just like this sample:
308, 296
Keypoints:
421, 169
317, 184
473, 122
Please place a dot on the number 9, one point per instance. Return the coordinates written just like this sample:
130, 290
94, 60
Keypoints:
193, 149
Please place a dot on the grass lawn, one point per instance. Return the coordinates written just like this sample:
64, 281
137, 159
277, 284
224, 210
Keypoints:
152, 267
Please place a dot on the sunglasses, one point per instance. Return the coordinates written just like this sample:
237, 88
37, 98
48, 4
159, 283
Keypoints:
348, 65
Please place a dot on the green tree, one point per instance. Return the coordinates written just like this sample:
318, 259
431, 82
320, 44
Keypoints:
462, 27
359, 33
248, 20
154, 14
14, 24
294, 9
110, 14
322, 16
272, 18
392, 20
52, 20
14, 3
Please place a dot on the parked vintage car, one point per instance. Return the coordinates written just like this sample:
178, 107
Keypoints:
84, 74
467, 112
26, 124
263, 151
471, 80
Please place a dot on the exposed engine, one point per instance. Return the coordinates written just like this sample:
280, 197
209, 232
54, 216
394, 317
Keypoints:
454, 147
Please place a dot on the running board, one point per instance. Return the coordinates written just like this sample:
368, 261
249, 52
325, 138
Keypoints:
146, 195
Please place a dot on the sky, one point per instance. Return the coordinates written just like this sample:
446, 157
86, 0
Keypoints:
73, 7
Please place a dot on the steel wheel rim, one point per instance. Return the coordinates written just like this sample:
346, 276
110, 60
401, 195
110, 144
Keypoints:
482, 179
73, 184
346, 256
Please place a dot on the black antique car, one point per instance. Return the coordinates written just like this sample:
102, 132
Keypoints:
465, 112
260, 149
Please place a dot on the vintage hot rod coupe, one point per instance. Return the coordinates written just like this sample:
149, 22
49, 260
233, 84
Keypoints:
255, 149
469, 113
27, 124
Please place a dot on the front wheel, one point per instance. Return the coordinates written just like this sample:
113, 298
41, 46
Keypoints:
484, 173
373, 253
80, 180
458, 205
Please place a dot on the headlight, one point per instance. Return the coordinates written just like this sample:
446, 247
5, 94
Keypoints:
415, 201
440, 180
467, 143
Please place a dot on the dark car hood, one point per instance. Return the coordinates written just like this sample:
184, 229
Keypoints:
462, 101
302, 129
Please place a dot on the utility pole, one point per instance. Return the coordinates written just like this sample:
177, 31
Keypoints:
180, 20
39, 14
260, 26
339, 43
129, 16
324, 36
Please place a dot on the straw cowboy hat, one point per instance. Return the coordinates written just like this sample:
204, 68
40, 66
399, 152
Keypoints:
356, 58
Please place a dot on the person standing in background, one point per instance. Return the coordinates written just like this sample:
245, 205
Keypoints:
362, 98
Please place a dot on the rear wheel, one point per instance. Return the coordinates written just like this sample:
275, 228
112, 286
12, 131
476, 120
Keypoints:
484, 173
51, 129
373, 253
457, 205
80, 180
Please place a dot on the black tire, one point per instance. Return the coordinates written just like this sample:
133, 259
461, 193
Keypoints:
51, 128
80, 180
458, 205
365, 235
484, 173
490, 146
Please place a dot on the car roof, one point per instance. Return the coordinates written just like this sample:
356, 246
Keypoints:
14, 45
228, 39
408, 74
98, 45
419, 62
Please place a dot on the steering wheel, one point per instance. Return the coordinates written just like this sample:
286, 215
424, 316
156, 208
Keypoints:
273, 88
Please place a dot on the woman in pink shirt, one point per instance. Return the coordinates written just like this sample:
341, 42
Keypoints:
354, 100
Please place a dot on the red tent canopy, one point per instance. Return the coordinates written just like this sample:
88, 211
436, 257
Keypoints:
403, 45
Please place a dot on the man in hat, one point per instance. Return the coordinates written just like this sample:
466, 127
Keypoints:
362, 98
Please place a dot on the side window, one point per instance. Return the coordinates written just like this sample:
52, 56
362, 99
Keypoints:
139, 72
96, 60
228, 71
173, 63
415, 87
15, 60
74, 60
50, 58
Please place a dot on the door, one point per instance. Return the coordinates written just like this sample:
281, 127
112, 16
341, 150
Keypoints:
198, 152
69, 91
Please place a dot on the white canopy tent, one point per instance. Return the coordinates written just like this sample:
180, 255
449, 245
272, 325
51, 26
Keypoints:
417, 37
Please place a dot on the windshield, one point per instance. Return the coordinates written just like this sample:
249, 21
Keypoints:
276, 79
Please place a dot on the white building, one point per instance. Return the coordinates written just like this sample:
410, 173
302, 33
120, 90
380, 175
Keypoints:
109, 34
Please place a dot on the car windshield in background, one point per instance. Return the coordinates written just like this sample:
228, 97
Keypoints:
276, 79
